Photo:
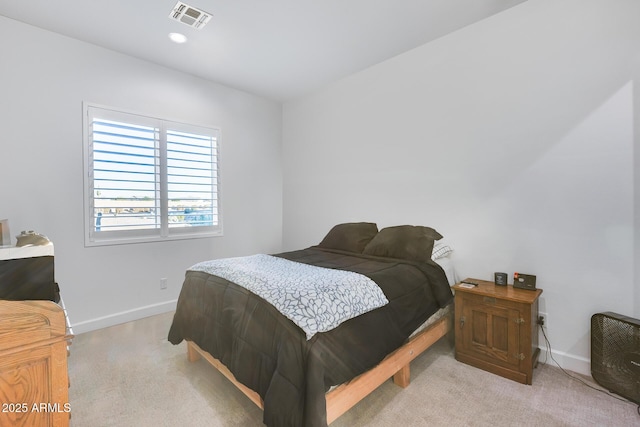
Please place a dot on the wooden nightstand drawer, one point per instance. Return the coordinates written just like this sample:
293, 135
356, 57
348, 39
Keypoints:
34, 379
496, 329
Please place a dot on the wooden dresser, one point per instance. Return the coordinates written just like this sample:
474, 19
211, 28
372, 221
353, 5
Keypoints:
496, 328
34, 382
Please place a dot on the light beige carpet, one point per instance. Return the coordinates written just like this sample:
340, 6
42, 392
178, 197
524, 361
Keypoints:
130, 375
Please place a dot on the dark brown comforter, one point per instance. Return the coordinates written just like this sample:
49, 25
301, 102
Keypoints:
270, 354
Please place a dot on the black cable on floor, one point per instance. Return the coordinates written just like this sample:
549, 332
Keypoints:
608, 393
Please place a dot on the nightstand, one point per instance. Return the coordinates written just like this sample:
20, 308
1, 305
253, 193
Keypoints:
496, 328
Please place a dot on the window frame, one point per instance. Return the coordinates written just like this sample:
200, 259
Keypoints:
164, 232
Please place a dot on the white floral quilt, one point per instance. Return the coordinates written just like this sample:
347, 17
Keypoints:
316, 299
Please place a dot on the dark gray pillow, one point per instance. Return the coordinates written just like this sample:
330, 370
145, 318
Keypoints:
352, 236
413, 243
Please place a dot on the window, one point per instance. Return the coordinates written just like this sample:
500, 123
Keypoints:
148, 179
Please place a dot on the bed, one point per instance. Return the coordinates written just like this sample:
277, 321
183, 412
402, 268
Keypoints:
308, 376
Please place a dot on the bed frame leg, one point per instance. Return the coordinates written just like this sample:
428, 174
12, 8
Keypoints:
402, 378
192, 353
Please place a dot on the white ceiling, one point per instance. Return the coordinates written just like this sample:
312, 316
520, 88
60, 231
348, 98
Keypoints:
280, 49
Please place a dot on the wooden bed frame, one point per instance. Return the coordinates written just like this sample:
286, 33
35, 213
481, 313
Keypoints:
345, 396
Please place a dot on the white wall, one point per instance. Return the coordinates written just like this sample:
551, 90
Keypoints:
45, 78
514, 137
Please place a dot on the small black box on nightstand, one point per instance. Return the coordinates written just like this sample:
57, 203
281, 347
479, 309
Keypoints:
524, 281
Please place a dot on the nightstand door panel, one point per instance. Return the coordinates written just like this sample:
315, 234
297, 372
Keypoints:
490, 332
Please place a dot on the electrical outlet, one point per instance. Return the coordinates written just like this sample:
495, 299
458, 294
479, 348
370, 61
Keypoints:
543, 330
545, 319
163, 283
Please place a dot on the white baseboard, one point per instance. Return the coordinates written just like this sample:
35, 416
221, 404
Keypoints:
123, 317
568, 362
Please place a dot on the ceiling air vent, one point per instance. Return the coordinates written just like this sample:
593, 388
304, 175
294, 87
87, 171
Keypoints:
189, 15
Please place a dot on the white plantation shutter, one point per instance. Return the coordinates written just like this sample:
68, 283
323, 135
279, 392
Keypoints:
126, 183
148, 179
192, 174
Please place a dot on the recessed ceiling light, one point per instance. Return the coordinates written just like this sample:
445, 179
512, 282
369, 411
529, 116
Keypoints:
177, 37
